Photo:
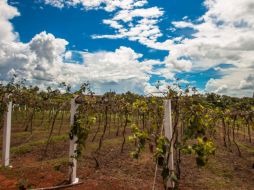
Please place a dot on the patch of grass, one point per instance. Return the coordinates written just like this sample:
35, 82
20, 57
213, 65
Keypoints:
248, 148
114, 141
60, 138
217, 183
221, 175
57, 161
3, 168
57, 167
25, 148
219, 170
24, 184
106, 142
21, 134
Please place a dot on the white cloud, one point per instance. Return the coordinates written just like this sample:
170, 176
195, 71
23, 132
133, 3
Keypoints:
128, 15
230, 12
6, 13
234, 82
112, 24
56, 3
107, 5
183, 24
248, 82
68, 55
144, 28
224, 34
41, 63
40, 59
179, 64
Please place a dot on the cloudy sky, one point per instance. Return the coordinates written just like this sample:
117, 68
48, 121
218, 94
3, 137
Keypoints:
126, 45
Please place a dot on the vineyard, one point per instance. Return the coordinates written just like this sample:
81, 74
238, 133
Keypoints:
166, 140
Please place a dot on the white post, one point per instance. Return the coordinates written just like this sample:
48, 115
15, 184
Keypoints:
167, 122
73, 147
7, 134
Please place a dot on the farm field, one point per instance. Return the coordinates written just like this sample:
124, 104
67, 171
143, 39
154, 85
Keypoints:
40, 155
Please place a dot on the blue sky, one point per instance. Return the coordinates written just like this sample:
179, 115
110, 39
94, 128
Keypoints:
152, 39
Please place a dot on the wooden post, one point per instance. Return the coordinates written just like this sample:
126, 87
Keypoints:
167, 122
73, 147
7, 134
